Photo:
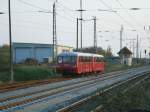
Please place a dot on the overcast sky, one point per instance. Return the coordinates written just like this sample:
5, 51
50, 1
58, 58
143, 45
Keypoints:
30, 25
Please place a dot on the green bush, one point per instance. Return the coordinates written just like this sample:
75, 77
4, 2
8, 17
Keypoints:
25, 73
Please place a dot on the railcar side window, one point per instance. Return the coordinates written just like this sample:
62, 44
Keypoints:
85, 59
99, 59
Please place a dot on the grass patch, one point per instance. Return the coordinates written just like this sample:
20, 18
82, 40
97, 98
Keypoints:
25, 73
109, 67
135, 98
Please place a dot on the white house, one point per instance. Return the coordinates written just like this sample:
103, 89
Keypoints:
125, 56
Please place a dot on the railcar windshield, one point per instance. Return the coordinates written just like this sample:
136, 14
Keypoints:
67, 59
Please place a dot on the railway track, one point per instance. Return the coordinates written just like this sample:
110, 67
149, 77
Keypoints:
21, 85
40, 91
75, 106
50, 92
16, 85
36, 96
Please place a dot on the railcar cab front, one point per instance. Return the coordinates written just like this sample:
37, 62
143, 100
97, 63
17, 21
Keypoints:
66, 63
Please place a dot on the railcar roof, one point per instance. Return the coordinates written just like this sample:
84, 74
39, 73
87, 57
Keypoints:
79, 54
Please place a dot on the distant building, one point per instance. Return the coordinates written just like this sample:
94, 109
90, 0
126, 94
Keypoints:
113, 59
40, 52
125, 56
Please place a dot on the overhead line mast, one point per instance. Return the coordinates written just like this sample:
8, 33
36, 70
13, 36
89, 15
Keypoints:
95, 36
77, 41
81, 17
10, 43
81, 20
54, 32
121, 35
137, 48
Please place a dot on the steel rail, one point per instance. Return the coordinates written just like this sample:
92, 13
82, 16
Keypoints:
40, 91
55, 91
58, 90
100, 107
22, 85
76, 105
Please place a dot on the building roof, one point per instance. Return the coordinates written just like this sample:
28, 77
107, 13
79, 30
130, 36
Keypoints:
79, 54
21, 44
125, 50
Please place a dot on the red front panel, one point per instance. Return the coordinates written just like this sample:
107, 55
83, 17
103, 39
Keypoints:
66, 68
98, 66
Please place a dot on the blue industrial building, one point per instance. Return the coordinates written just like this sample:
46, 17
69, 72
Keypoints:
22, 51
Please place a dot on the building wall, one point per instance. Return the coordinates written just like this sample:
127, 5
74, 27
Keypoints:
113, 60
41, 53
126, 59
22, 51
20, 54
61, 49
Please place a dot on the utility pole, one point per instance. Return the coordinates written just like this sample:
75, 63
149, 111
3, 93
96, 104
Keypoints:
133, 46
137, 48
121, 35
145, 51
81, 20
149, 57
10, 43
77, 46
95, 36
133, 49
54, 32
140, 55
81, 17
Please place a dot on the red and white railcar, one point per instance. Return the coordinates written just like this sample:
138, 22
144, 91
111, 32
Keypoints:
79, 63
